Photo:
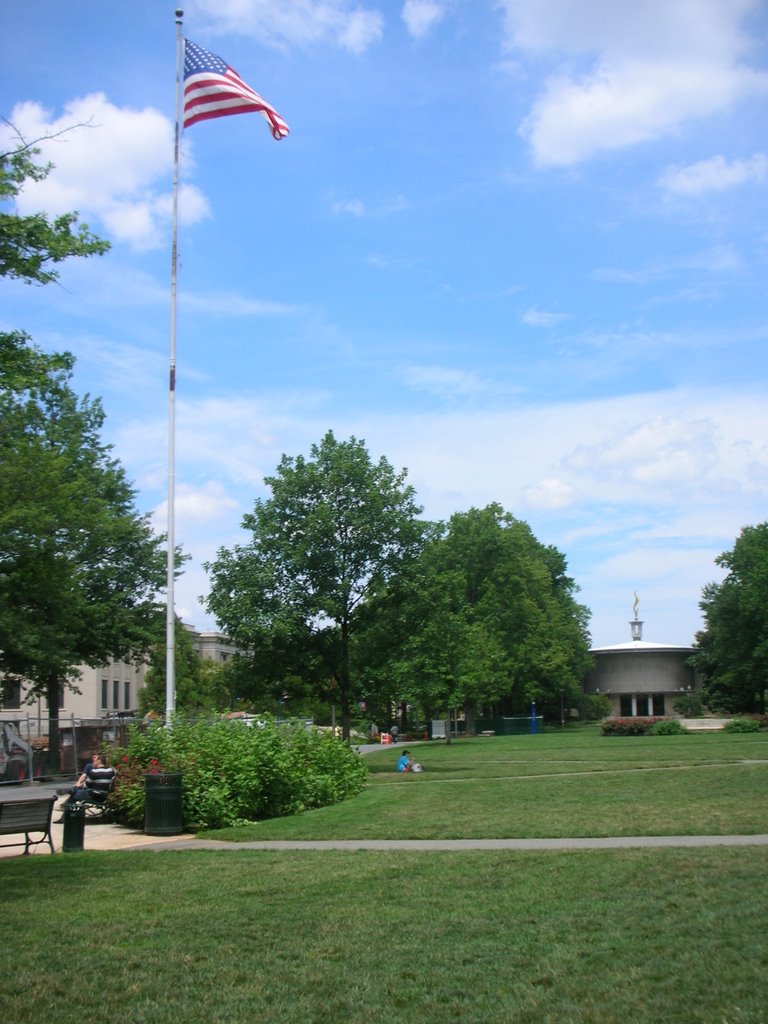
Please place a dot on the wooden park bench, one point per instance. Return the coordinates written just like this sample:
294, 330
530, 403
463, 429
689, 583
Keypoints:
26, 816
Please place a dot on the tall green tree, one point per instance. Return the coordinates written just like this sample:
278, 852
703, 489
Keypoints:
733, 646
31, 246
79, 566
488, 617
336, 527
200, 685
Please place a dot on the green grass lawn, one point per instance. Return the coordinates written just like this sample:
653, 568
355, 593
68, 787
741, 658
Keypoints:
550, 785
665, 936
617, 937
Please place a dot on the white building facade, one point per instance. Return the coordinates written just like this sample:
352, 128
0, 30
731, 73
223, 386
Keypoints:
111, 691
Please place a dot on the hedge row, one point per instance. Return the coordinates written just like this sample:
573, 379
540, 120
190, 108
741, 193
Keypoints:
658, 726
748, 723
233, 772
651, 726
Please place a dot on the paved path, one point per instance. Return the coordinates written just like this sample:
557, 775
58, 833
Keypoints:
115, 837
610, 843
98, 836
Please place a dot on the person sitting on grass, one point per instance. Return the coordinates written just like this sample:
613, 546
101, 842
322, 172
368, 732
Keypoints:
404, 762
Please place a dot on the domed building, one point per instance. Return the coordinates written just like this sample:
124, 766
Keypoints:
642, 678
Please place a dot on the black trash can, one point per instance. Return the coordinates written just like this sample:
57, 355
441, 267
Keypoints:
162, 804
74, 828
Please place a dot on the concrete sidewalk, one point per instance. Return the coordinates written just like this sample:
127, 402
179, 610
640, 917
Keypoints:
433, 845
115, 837
102, 837
97, 836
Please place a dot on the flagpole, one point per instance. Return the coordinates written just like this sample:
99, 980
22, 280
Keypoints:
170, 616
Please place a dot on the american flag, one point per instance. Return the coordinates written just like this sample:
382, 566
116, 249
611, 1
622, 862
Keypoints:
213, 89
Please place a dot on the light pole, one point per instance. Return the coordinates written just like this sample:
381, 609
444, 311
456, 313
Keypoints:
688, 700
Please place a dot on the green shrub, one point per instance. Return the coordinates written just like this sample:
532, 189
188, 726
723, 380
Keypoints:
669, 727
742, 725
690, 705
234, 772
628, 726
651, 726
594, 706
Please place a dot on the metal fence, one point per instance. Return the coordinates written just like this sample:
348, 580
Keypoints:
25, 751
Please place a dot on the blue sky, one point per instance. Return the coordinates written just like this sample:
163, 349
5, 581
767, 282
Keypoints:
518, 246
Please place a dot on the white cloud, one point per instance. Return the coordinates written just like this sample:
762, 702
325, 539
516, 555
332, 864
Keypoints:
655, 564
714, 175
420, 16
640, 71
126, 368
624, 104
354, 207
539, 318
667, 581
195, 505
443, 381
294, 22
108, 162
667, 453
550, 493
720, 259
654, 28
709, 452
376, 259
362, 28
239, 436
232, 304
640, 480
360, 208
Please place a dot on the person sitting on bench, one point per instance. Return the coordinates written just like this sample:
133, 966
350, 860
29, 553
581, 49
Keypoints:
94, 784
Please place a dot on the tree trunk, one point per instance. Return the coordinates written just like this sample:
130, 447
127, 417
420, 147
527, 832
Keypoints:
470, 718
401, 717
54, 746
